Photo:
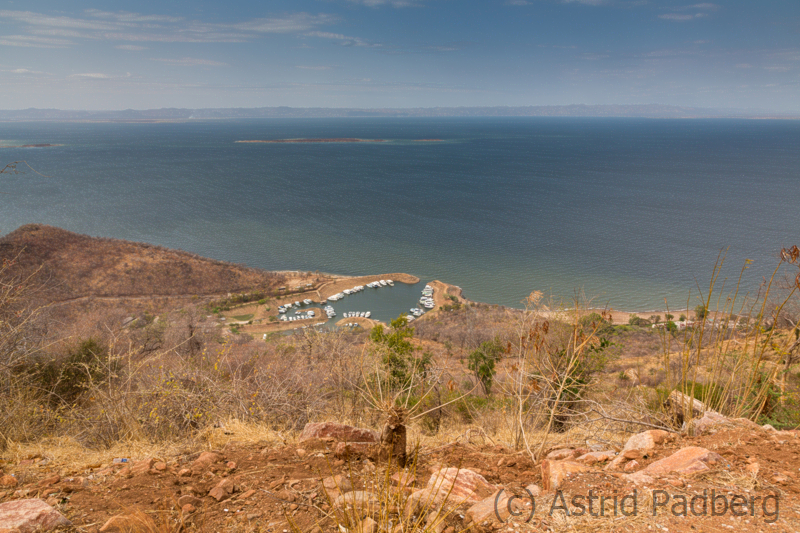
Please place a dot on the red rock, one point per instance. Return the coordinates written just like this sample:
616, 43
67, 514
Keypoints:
52, 480
420, 501
566, 453
753, 468
222, 490
596, 457
484, 513
359, 500
8, 482
27, 516
249, 493
459, 485
184, 472
189, 499
230, 465
711, 422
685, 461
339, 432
188, 508
338, 482
534, 489
368, 525
685, 407
630, 466
346, 449
205, 461
300, 452
639, 445
160, 466
780, 479
403, 479
554, 472
142, 467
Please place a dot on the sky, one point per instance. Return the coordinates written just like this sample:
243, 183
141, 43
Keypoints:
70, 54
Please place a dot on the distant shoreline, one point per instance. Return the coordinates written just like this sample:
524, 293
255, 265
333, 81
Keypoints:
32, 146
333, 140
575, 110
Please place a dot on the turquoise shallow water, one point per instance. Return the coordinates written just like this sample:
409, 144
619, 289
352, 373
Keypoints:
627, 211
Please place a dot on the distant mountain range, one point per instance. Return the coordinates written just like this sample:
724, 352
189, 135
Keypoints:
175, 114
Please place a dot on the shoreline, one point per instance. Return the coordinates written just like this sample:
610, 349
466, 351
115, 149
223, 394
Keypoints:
332, 140
618, 315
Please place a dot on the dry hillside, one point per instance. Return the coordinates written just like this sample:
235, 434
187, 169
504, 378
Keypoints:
76, 266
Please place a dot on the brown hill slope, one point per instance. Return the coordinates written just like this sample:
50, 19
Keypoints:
75, 266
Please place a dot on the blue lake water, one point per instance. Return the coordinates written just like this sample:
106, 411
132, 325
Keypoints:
628, 212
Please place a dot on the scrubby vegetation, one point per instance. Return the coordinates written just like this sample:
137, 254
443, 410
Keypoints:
149, 370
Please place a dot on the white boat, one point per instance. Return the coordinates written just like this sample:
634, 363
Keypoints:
311, 314
367, 314
307, 301
347, 291
410, 317
281, 310
429, 305
382, 282
297, 304
390, 282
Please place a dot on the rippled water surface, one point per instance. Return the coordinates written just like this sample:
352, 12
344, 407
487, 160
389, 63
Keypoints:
629, 212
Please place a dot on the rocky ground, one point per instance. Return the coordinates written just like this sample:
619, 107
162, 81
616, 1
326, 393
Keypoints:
326, 482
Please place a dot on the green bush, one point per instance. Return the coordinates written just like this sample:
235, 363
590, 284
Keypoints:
482, 362
85, 364
595, 322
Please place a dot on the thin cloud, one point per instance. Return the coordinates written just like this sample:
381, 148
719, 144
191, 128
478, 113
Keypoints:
704, 6
130, 47
91, 75
190, 62
681, 18
585, 2
379, 3
311, 67
135, 27
22, 71
344, 40
124, 16
33, 41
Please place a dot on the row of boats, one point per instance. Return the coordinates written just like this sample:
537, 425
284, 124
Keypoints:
359, 288
427, 302
299, 316
354, 314
285, 307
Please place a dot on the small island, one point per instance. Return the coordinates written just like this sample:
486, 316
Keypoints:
335, 140
43, 145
